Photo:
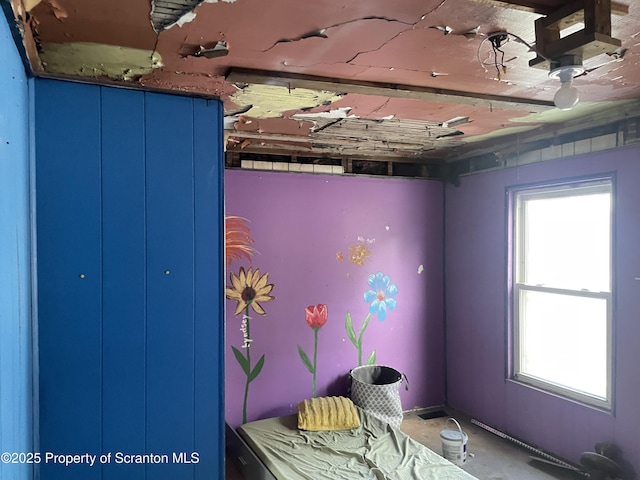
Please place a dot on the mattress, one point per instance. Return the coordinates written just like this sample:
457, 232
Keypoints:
374, 451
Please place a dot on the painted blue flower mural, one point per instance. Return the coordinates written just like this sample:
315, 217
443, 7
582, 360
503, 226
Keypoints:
381, 295
380, 299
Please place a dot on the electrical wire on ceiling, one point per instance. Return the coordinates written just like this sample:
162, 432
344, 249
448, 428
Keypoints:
565, 67
497, 41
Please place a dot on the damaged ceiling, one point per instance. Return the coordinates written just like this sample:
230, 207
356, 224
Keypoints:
423, 83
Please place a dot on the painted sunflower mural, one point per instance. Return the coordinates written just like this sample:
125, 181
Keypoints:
249, 289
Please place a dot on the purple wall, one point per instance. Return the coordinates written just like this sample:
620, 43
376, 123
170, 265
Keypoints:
475, 272
302, 226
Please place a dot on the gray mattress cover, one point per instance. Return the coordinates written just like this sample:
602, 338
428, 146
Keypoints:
375, 451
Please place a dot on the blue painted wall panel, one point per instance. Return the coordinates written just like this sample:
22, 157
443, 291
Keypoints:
123, 275
16, 426
170, 267
68, 199
129, 192
209, 313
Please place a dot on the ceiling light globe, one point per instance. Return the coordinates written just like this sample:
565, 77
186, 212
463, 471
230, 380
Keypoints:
566, 97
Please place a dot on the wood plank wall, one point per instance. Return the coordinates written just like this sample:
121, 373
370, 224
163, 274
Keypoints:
130, 276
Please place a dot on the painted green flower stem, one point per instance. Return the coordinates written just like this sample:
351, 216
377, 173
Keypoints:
245, 361
362, 330
246, 385
357, 341
316, 317
315, 358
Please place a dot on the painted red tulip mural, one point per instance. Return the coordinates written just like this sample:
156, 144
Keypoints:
380, 299
316, 316
249, 289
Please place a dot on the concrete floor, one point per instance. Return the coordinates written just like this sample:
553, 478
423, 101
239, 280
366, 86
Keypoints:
491, 457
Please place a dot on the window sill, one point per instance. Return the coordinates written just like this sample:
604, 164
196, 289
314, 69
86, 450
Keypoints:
599, 408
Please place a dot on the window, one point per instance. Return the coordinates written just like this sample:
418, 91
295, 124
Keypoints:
561, 289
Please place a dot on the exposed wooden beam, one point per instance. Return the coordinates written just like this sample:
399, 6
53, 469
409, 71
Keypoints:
440, 95
306, 143
617, 8
594, 38
353, 152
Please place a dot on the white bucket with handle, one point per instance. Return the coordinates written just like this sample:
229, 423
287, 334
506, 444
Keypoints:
454, 443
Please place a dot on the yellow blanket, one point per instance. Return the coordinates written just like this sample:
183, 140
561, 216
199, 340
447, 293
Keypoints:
327, 413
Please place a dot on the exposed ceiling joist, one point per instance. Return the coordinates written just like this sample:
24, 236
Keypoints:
402, 138
365, 151
617, 8
334, 142
165, 13
441, 95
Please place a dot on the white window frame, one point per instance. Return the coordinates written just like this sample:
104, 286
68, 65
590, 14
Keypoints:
518, 265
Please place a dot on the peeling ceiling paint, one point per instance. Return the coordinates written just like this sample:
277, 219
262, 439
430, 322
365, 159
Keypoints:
584, 109
29, 4
379, 74
59, 12
556, 115
94, 59
270, 101
186, 18
337, 113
